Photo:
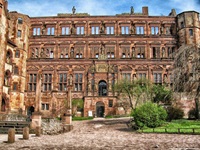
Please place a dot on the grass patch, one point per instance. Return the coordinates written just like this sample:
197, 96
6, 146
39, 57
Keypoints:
176, 126
81, 118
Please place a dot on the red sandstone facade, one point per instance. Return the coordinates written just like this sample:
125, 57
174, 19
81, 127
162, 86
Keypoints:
88, 54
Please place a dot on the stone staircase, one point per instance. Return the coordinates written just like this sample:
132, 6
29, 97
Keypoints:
17, 125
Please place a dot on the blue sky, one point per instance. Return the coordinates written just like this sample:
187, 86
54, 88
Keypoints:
35, 8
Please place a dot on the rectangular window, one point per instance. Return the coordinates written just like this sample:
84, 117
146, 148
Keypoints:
62, 82
157, 78
110, 30
19, 33
80, 30
50, 30
17, 54
156, 52
140, 51
139, 30
32, 82
45, 106
78, 81
110, 103
15, 86
155, 30
36, 31
95, 30
16, 70
126, 76
47, 82
125, 30
182, 25
20, 21
65, 30
191, 32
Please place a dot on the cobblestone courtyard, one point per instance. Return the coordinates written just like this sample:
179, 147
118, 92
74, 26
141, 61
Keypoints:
105, 135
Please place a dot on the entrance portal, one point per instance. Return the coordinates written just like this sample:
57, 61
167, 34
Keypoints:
30, 111
102, 88
100, 109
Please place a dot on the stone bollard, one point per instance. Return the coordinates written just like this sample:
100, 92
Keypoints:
26, 133
11, 135
38, 131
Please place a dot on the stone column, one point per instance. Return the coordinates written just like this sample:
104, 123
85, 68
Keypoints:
26, 133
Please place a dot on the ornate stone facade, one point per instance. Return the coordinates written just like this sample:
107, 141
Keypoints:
91, 53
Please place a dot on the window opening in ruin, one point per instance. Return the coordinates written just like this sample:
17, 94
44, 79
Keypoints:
156, 52
123, 55
97, 55
182, 25
19, 33
109, 30
3, 105
139, 30
62, 82
16, 70
50, 30
80, 30
36, 31
15, 86
66, 56
102, 88
8, 57
47, 82
157, 78
155, 30
17, 54
32, 82
61, 55
78, 81
126, 76
7, 78
124, 30
110, 103
95, 30
51, 54
20, 21
65, 30
191, 32
45, 106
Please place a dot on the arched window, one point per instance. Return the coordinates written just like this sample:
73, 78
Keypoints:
3, 105
7, 78
102, 88
8, 57
61, 56
66, 56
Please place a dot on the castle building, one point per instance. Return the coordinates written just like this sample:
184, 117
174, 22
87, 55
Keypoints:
42, 57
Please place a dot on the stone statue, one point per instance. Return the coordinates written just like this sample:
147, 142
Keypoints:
132, 28
72, 53
132, 10
102, 48
133, 52
43, 29
72, 28
73, 10
102, 27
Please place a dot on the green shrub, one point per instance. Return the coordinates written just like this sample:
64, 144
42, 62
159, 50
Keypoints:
174, 113
150, 115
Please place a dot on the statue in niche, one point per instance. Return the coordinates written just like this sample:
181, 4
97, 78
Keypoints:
73, 10
132, 28
162, 29
102, 30
102, 49
133, 52
70, 80
43, 29
72, 53
72, 29
132, 10
42, 53
163, 52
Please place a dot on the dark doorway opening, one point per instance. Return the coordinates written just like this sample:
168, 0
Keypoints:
102, 88
100, 109
3, 105
30, 111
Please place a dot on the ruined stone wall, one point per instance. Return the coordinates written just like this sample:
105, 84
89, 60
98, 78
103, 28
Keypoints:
3, 44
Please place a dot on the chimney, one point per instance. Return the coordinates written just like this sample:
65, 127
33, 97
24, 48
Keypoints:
145, 10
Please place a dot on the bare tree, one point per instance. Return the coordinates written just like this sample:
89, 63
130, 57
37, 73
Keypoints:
187, 72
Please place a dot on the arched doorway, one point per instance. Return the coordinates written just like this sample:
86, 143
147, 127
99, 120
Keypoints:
102, 88
3, 105
100, 109
30, 111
